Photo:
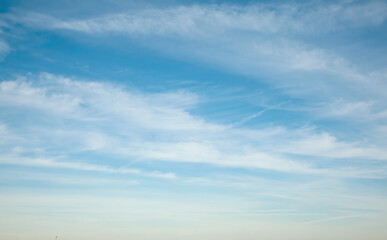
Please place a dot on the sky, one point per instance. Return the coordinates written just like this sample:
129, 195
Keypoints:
193, 120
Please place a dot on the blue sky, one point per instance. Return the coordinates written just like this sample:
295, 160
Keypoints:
193, 119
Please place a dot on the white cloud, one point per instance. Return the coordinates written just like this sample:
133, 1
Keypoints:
262, 31
73, 116
365, 111
50, 163
196, 20
250, 40
76, 99
326, 145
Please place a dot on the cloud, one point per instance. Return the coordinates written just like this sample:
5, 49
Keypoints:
363, 111
40, 162
4, 49
196, 20
72, 117
252, 40
325, 145
83, 99
264, 29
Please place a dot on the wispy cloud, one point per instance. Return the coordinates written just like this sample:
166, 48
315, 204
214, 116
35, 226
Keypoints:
363, 111
4, 49
328, 146
252, 40
103, 118
50, 163
195, 19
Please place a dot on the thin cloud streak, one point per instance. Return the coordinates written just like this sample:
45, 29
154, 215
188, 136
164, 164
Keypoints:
4, 49
50, 163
